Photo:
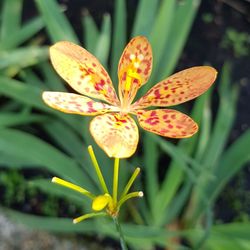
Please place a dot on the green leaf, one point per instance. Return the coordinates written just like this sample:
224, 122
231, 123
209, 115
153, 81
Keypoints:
150, 159
38, 153
66, 138
53, 189
11, 17
14, 119
91, 32
32, 95
19, 91
175, 173
145, 17
17, 59
182, 21
57, 24
61, 225
224, 120
50, 77
26, 32
103, 44
231, 162
119, 36
160, 33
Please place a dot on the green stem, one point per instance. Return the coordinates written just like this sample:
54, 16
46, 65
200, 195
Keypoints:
121, 236
115, 180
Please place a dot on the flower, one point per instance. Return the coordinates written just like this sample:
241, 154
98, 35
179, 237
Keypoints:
113, 129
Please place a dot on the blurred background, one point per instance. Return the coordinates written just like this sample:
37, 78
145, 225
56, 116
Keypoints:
197, 190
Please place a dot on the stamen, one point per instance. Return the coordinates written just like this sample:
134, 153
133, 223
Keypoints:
138, 194
72, 186
130, 182
87, 216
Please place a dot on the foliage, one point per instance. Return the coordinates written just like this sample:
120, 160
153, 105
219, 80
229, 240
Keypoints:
198, 168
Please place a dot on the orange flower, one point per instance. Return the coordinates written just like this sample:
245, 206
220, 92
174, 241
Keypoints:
113, 128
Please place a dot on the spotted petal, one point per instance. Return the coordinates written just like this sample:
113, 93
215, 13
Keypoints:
134, 68
82, 71
117, 135
178, 88
167, 122
75, 104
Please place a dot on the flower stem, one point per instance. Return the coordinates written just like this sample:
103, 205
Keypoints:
121, 236
115, 180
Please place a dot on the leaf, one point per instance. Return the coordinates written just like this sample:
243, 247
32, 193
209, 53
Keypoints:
51, 188
103, 44
160, 33
182, 21
150, 159
57, 24
119, 36
175, 173
8, 119
31, 95
231, 162
91, 32
145, 17
37, 153
66, 138
10, 17
22, 57
224, 120
27, 31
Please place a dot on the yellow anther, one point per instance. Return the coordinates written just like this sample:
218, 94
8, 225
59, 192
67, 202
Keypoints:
100, 202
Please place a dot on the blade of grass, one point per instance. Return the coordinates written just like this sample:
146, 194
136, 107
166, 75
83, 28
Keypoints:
150, 159
40, 154
23, 57
103, 44
145, 17
160, 33
224, 120
219, 136
231, 162
56, 22
183, 18
26, 32
58, 191
175, 174
91, 32
31, 95
66, 138
14, 119
51, 79
11, 17
119, 36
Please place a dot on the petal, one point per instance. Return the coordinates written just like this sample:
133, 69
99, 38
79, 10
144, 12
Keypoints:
75, 104
167, 122
117, 135
82, 71
134, 68
178, 88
